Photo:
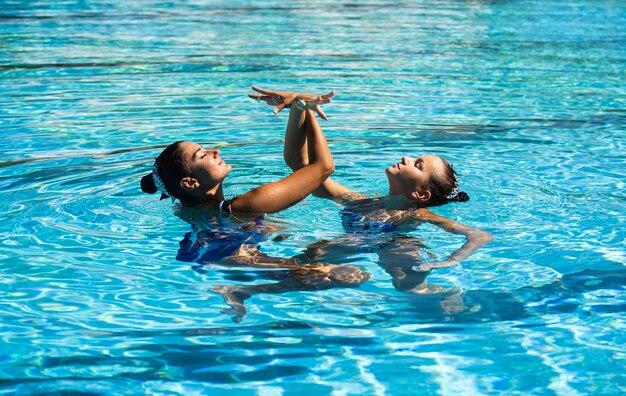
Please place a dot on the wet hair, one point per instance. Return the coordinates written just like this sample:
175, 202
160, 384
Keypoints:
444, 187
171, 169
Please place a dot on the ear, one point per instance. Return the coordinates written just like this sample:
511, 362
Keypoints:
189, 183
421, 196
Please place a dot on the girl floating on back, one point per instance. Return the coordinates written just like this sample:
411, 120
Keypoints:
228, 232
415, 183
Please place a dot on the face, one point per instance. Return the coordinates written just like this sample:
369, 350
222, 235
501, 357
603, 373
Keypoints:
205, 165
413, 174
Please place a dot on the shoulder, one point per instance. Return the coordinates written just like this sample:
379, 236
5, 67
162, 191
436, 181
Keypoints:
420, 213
411, 215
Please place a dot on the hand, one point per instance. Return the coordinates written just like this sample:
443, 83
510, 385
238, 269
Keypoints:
425, 267
282, 99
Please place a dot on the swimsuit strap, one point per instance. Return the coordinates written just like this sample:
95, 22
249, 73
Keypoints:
225, 209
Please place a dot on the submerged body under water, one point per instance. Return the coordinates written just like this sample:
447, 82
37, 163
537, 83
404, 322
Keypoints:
525, 99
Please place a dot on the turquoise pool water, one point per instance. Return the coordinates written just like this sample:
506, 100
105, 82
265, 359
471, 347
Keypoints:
526, 98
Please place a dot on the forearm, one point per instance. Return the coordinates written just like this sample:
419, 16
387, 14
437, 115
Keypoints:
474, 238
470, 246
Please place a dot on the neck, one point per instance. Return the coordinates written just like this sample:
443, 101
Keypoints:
398, 201
215, 194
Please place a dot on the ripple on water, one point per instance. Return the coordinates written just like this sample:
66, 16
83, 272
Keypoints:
532, 120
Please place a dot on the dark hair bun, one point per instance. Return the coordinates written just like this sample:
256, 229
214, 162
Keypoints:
147, 184
462, 197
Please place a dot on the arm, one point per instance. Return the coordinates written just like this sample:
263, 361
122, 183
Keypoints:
297, 152
474, 238
273, 197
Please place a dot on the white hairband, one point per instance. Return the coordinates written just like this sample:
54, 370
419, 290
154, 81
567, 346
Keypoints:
455, 191
158, 182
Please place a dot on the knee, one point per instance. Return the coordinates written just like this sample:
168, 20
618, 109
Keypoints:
348, 275
295, 162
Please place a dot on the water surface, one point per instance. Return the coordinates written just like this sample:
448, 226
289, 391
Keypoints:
526, 99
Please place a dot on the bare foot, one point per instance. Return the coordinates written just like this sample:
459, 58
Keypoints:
234, 297
452, 302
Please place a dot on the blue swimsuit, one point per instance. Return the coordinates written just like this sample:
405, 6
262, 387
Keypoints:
368, 235
354, 223
216, 239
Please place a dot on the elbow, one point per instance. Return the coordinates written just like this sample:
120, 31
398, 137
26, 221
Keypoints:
482, 238
329, 169
323, 169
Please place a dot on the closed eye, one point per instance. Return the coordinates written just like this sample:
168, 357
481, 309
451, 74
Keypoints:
418, 163
196, 155
201, 152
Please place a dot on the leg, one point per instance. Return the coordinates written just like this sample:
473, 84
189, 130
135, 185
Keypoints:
298, 154
306, 277
337, 250
295, 151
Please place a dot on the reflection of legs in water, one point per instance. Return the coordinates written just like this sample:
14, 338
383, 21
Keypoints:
408, 280
338, 250
397, 255
398, 259
291, 276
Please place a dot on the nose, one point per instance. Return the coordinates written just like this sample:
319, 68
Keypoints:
215, 152
405, 160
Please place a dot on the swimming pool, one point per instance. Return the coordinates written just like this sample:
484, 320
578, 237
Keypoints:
526, 99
